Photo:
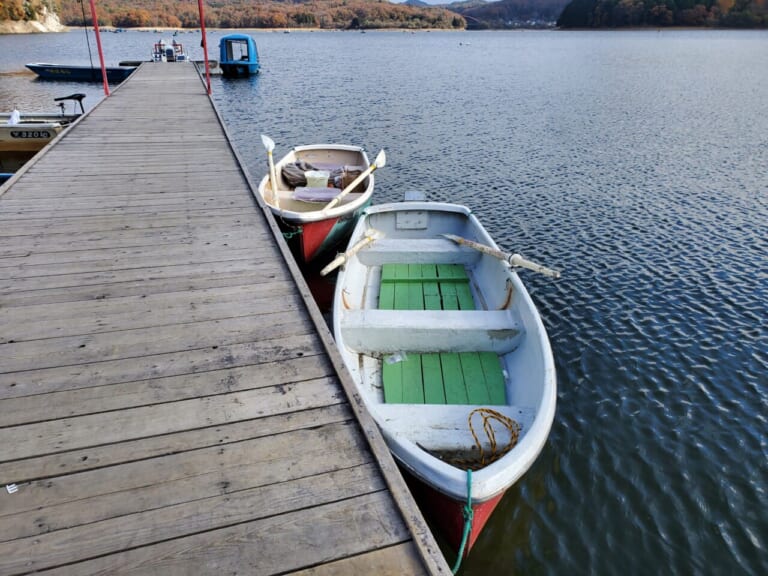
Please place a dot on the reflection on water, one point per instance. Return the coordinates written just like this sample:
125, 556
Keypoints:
634, 162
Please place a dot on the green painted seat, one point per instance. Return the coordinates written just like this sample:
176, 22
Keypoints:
436, 378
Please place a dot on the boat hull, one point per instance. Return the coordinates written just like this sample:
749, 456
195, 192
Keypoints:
316, 241
115, 74
448, 514
20, 142
30, 137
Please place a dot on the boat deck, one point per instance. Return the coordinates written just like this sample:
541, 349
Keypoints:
170, 398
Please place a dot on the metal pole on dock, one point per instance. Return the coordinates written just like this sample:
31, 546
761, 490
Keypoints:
205, 45
95, 20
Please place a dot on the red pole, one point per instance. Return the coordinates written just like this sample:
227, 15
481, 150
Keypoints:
95, 20
205, 45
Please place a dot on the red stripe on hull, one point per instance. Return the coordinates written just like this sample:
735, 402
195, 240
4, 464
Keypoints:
447, 514
313, 236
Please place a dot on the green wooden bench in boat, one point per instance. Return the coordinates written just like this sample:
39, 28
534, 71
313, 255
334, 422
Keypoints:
444, 350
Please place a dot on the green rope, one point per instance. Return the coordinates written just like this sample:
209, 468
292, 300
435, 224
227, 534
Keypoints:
289, 235
468, 515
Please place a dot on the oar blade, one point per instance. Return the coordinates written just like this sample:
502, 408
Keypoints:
381, 159
269, 144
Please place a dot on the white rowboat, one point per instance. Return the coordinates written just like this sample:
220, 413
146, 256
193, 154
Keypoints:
431, 330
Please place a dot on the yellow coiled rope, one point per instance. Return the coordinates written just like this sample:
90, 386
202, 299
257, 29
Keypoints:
488, 416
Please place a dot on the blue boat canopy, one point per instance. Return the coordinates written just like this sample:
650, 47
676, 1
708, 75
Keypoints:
238, 56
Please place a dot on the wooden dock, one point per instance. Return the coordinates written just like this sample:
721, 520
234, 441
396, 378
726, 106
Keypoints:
171, 401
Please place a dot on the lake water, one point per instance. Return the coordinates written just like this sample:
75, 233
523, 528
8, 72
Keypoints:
637, 163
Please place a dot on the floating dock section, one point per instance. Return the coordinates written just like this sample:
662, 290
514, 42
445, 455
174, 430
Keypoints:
171, 401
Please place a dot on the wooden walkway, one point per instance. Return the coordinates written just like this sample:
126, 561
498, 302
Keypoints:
170, 398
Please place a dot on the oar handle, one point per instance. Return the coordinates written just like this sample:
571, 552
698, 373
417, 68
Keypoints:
517, 260
349, 188
273, 179
511, 259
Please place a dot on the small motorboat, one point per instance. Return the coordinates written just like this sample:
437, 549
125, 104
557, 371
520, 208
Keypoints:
444, 343
164, 51
316, 193
24, 135
238, 57
115, 74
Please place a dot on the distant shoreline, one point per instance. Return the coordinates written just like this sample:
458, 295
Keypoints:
24, 27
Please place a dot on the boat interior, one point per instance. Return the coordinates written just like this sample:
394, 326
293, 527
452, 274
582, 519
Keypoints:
454, 350
309, 179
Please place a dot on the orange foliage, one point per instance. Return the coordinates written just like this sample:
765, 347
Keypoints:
264, 14
725, 5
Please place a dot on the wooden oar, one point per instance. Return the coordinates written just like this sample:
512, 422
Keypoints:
269, 144
380, 162
370, 236
512, 259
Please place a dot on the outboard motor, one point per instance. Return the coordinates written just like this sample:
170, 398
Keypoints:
76, 97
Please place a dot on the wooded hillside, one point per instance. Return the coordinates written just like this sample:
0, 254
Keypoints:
509, 13
330, 14
623, 13
26, 9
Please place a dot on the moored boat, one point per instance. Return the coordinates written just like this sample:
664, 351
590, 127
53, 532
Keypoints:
115, 74
316, 193
24, 135
164, 51
238, 56
444, 343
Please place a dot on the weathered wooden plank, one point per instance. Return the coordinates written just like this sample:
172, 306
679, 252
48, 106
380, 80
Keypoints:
98, 398
97, 457
165, 253
63, 265
27, 440
182, 218
223, 514
131, 312
204, 490
202, 234
114, 278
191, 461
392, 561
95, 495
272, 545
135, 209
41, 381
132, 343
102, 291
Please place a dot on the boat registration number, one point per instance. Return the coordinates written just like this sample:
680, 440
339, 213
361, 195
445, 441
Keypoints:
30, 134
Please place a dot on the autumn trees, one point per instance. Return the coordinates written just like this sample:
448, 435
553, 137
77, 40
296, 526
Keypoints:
331, 14
624, 13
26, 9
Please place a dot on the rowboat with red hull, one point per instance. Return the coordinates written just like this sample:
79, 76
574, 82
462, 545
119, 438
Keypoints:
449, 354
316, 194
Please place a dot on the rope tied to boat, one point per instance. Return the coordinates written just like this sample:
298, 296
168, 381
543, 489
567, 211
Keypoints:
488, 416
289, 235
469, 515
